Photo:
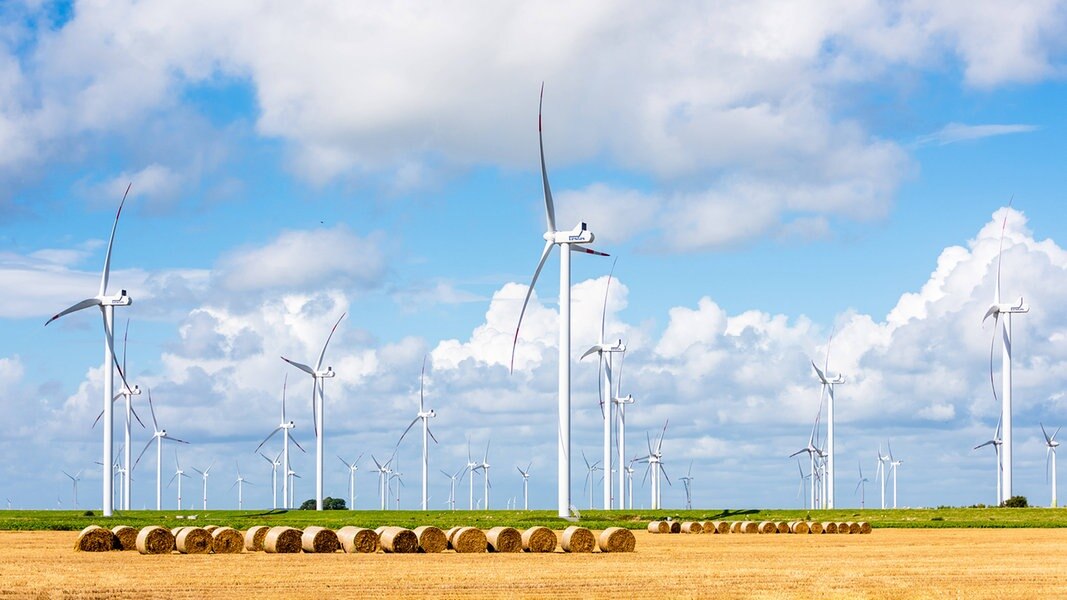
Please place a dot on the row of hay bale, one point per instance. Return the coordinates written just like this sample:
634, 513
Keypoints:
352, 540
801, 527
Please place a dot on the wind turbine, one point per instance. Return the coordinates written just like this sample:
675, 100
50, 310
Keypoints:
205, 474
471, 468
107, 306
882, 461
452, 488
274, 464
860, 487
813, 453
893, 464
240, 483
383, 472
284, 427
292, 476
620, 419
128, 393
568, 241
655, 463
630, 483
687, 481
352, 468
525, 485
589, 470
1050, 453
803, 487
606, 391
399, 477
828, 382
178, 474
317, 405
77, 477
158, 435
425, 416
996, 310
485, 474
996, 442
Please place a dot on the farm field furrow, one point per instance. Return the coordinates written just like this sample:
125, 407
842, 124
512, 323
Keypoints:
941, 563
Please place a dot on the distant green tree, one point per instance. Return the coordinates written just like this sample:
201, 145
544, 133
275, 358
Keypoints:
1016, 502
328, 503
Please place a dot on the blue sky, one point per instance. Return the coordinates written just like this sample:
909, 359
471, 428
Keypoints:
764, 173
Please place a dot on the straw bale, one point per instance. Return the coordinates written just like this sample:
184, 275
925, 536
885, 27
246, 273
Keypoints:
783, 527
431, 539
210, 528
254, 538
829, 527
853, 527
719, 526
504, 539
692, 527
399, 540
154, 540
865, 527
843, 527
767, 527
735, 527
469, 539
193, 540
95, 538
319, 540
800, 527
617, 539
227, 540
126, 536
451, 531
676, 526
358, 540
379, 530
578, 539
749, 527
174, 530
539, 539
283, 540
659, 527
815, 527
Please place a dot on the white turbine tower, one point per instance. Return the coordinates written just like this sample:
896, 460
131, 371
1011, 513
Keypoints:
485, 474
383, 473
240, 483
352, 468
107, 306
893, 464
630, 483
655, 466
620, 419
590, 469
813, 453
996, 310
284, 427
995, 443
292, 476
317, 405
452, 486
425, 416
525, 486
158, 435
1050, 453
74, 479
568, 241
882, 461
471, 468
178, 474
205, 474
606, 391
274, 464
127, 393
828, 384
860, 487
687, 481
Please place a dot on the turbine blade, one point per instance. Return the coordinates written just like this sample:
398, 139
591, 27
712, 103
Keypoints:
590, 351
143, 450
604, 308
300, 366
276, 430
285, 382
293, 440
584, 250
343, 461
1000, 250
529, 291
322, 354
133, 411
75, 308
111, 242
432, 436
174, 439
152, 409
550, 210
412, 424
422, 385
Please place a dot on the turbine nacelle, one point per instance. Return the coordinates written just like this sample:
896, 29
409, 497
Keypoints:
428, 414
329, 372
120, 299
579, 235
628, 399
1003, 307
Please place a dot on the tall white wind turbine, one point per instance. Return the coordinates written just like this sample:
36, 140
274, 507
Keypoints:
687, 481
127, 393
383, 474
630, 484
995, 443
484, 466
590, 469
204, 474
472, 467
996, 310
525, 486
352, 468
883, 460
178, 474
655, 466
894, 463
285, 427
802, 488
274, 464
452, 486
1050, 453
813, 454
425, 416
621, 402
74, 479
240, 483
107, 304
318, 376
860, 487
158, 436
828, 382
568, 241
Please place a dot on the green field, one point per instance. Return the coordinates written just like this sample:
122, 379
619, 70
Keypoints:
594, 519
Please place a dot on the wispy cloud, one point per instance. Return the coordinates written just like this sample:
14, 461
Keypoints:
959, 132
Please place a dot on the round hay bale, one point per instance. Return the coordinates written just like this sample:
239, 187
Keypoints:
227, 540
617, 539
783, 527
254, 538
504, 539
357, 540
865, 527
708, 527
399, 540
319, 540
379, 530
692, 527
767, 527
126, 537
829, 527
193, 540
843, 527
431, 539
578, 539
749, 527
735, 527
154, 540
659, 527
451, 531
174, 530
539, 539
815, 527
800, 527
721, 526
676, 526
210, 528
469, 540
283, 540
853, 527
95, 538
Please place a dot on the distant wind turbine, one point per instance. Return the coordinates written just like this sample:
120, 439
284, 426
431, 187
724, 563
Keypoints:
883, 460
178, 474
158, 436
74, 480
239, 483
352, 468
655, 466
687, 481
485, 474
205, 474
274, 464
285, 428
995, 443
894, 463
828, 382
525, 486
860, 487
472, 467
425, 416
1050, 453
452, 487
590, 469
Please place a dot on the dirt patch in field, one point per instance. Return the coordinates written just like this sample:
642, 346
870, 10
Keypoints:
943, 563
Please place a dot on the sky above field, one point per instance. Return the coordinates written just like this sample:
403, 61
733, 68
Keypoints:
765, 174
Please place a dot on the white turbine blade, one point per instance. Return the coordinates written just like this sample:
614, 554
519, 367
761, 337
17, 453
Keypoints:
300, 366
285, 382
432, 436
591, 350
604, 308
659, 444
1053, 438
267, 459
984, 444
111, 242
584, 250
819, 372
529, 291
993, 311
343, 462
1045, 433
143, 450
412, 424
266, 439
293, 440
586, 460
314, 408
155, 424
550, 210
1000, 250
75, 308
322, 354
485, 459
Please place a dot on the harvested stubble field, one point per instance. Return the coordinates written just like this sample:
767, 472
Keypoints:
913, 563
